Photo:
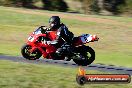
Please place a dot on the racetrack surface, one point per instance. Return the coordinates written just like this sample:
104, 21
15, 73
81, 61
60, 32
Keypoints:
99, 67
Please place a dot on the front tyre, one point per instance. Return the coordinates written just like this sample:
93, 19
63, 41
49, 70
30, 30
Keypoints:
25, 51
87, 56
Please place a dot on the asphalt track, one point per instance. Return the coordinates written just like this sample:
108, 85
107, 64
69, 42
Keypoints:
98, 67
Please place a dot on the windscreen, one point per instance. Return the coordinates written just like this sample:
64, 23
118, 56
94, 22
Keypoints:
37, 31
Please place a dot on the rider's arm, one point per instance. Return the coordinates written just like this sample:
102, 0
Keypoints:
63, 34
59, 33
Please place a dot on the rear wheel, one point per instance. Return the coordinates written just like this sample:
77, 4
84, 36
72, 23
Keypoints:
25, 51
87, 56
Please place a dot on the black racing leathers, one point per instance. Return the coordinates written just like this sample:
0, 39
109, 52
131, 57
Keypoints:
63, 35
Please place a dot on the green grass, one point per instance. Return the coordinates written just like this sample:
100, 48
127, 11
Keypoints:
114, 46
24, 75
113, 58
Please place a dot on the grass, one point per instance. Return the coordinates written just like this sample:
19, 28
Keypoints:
114, 46
113, 58
23, 75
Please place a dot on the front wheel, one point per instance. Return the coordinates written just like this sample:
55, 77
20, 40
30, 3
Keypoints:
87, 56
25, 51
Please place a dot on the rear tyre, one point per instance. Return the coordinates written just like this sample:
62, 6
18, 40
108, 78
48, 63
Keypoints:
87, 56
25, 51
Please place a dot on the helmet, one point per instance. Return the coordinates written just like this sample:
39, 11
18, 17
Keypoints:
54, 22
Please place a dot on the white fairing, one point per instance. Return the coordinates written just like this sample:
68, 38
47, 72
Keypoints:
85, 38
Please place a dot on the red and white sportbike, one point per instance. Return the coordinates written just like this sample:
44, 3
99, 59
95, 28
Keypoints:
77, 51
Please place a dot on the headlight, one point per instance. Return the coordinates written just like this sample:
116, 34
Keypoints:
31, 38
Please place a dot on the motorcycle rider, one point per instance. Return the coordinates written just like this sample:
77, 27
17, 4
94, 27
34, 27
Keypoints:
59, 35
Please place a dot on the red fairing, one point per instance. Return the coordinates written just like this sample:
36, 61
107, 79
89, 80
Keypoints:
41, 45
52, 35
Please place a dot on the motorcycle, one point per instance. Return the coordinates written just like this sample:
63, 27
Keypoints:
37, 46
